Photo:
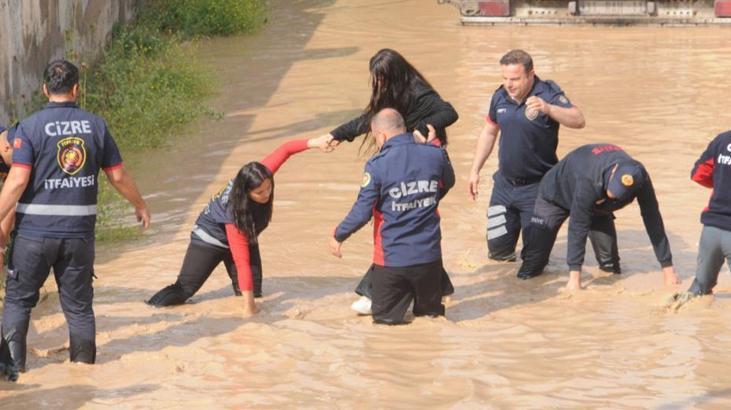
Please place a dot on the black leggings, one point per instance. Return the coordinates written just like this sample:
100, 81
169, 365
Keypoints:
200, 261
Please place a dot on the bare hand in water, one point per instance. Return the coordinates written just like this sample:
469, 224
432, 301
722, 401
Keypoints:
574, 282
671, 278
250, 308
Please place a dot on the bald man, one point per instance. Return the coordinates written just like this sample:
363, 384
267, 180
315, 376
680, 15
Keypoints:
401, 189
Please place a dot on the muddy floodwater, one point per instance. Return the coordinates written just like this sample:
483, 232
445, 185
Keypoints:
661, 93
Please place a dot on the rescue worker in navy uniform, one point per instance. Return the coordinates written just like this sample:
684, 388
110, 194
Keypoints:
58, 153
713, 170
401, 189
527, 112
588, 185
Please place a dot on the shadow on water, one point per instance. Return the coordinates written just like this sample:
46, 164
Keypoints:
698, 400
502, 290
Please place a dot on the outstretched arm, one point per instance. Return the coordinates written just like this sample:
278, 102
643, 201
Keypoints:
650, 211
361, 212
280, 155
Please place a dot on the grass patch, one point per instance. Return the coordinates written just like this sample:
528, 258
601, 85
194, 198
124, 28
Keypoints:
192, 18
149, 85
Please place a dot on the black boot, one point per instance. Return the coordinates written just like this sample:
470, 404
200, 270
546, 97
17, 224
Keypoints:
8, 370
81, 350
169, 296
14, 342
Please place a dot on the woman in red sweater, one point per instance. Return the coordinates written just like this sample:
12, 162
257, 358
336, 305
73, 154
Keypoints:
227, 230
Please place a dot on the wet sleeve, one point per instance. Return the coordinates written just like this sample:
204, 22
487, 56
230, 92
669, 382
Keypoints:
437, 112
492, 111
351, 129
239, 247
111, 157
280, 155
448, 178
654, 226
362, 210
702, 171
23, 150
580, 223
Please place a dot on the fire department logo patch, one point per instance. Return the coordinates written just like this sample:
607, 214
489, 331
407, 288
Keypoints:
71, 155
627, 180
531, 114
366, 180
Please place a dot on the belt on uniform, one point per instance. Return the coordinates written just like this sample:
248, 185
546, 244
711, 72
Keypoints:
522, 181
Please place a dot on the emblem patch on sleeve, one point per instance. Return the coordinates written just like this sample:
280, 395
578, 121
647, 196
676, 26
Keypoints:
366, 180
627, 180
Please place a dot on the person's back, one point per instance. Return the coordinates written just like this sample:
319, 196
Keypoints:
401, 188
65, 147
407, 218
583, 168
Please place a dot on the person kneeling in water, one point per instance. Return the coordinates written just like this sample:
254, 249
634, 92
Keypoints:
227, 230
401, 188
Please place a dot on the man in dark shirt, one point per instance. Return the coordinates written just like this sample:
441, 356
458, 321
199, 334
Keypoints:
713, 170
527, 112
588, 185
58, 153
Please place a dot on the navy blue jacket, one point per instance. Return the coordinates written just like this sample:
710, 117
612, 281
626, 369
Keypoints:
401, 189
579, 180
713, 170
528, 141
64, 147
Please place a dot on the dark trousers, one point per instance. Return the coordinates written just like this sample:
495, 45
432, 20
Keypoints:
541, 236
510, 212
200, 261
395, 288
714, 248
365, 286
30, 263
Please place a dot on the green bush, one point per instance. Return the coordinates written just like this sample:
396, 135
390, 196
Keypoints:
147, 88
206, 17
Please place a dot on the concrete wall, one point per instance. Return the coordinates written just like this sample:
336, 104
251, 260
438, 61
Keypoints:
34, 32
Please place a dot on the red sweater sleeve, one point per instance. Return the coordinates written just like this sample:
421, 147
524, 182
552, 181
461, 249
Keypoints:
239, 247
280, 155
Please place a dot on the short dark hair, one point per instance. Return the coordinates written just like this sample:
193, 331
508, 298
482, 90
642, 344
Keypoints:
60, 76
518, 57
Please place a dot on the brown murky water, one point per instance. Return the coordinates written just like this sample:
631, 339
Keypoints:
659, 92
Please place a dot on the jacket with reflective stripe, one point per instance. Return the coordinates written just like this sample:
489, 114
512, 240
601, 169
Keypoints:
64, 147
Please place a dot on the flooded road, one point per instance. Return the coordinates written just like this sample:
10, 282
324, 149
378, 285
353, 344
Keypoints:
658, 92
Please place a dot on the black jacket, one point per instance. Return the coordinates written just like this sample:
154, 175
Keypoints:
426, 107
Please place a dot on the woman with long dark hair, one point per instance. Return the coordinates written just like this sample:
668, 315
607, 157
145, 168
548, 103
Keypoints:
227, 230
395, 83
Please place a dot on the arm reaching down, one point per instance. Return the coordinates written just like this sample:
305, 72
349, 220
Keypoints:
123, 182
239, 246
